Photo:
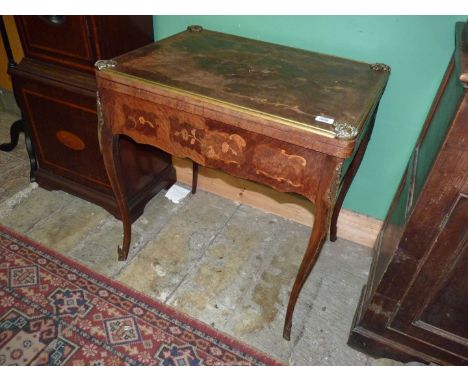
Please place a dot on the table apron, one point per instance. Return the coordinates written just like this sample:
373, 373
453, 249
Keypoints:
281, 165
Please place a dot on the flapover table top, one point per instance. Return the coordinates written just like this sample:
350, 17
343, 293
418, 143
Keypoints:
317, 92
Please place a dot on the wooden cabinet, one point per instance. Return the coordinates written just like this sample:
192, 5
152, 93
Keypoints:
79, 41
415, 305
56, 89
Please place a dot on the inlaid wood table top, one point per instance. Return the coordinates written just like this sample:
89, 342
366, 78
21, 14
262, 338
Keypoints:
294, 120
306, 90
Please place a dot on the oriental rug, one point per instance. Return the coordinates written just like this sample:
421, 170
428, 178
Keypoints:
54, 311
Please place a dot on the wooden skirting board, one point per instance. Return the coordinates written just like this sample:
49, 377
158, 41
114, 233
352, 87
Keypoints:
352, 226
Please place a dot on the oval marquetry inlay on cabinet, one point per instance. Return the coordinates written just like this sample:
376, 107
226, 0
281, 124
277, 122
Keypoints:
70, 140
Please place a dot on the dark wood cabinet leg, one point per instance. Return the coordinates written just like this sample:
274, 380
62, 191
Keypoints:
18, 126
31, 153
110, 153
15, 130
194, 177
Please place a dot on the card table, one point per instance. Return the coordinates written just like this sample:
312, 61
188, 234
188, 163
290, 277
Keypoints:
294, 120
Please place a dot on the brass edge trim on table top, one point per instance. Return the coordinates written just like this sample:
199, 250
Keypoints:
342, 130
252, 112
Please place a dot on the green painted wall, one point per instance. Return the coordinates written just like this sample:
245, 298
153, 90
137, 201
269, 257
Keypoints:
417, 48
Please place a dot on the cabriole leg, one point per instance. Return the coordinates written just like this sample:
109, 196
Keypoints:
317, 238
110, 153
110, 150
348, 179
324, 201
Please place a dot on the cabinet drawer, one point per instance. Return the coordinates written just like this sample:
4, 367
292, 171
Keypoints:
62, 40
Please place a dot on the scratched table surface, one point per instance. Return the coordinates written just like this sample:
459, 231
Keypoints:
276, 80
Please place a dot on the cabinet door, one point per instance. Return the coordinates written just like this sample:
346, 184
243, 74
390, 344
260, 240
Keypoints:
434, 308
62, 40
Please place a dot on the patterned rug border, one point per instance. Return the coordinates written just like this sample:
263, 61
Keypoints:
196, 324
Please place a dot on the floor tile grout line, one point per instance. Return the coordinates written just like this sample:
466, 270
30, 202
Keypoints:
226, 222
44, 221
145, 242
204, 252
152, 235
266, 261
81, 244
255, 281
310, 307
9, 204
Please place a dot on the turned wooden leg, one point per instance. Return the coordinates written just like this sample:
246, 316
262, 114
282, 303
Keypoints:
194, 177
18, 126
15, 130
110, 153
348, 179
317, 238
31, 152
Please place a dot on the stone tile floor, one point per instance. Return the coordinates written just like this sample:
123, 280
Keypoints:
227, 264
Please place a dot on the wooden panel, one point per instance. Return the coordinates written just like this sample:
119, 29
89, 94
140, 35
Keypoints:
58, 39
431, 141
447, 311
435, 309
445, 181
53, 112
115, 35
78, 41
392, 230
